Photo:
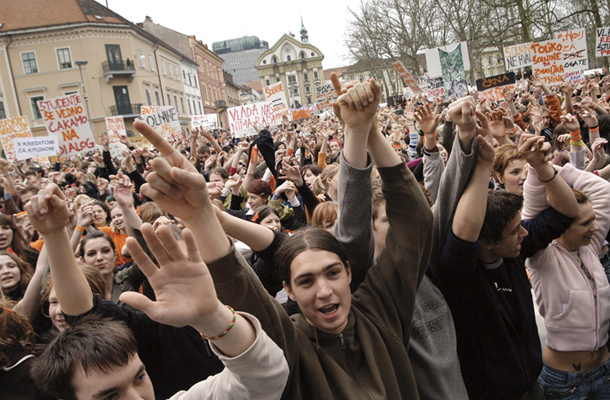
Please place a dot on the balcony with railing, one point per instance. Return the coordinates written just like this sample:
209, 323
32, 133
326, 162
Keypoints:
220, 104
119, 68
127, 110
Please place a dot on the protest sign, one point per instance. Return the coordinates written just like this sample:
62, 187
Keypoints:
408, 78
518, 56
36, 147
277, 96
491, 87
164, 120
325, 96
243, 118
602, 44
11, 129
206, 121
116, 129
436, 87
434, 63
301, 114
65, 118
575, 59
547, 58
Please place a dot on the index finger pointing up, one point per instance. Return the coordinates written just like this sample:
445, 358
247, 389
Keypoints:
154, 137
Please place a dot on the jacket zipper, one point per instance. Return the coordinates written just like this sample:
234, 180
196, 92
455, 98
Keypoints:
351, 367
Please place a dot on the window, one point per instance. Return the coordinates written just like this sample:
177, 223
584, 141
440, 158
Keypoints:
29, 63
177, 74
274, 59
182, 105
307, 89
171, 72
157, 98
191, 79
151, 61
176, 103
163, 68
277, 79
63, 57
188, 101
2, 111
302, 55
315, 75
142, 59
35, 109
288, 58
292, 80
148, 98
305, 76
267, 82
489, 60
183, 76
200, 109
308, 100
169, 100
264, 61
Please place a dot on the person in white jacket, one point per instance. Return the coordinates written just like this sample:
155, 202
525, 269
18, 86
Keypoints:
98, 358
572, 291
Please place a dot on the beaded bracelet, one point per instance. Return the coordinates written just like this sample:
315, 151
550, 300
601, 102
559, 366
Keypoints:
226, 330
548, 180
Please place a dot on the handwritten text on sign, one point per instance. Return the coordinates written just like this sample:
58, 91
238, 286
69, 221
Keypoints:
518, 56
164, 120
116, 129
65, 118
325, 96
243, 118
207, 121
277, 96
491, 87
548, 61
34, 147
10, 129
402, 71
575, 59
602, 44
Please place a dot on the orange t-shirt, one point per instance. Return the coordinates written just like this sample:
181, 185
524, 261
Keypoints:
119, 241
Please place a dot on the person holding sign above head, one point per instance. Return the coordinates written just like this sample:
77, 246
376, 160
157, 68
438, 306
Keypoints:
342, 345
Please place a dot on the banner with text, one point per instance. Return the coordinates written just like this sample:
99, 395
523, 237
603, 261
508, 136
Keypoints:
518, 56
436, 87
302, 113
547, 60
408, 78
575, 58
36, 147
11, 129
206, 121
115, 126
163, 119
491, 87
602, 44
243, 118
325, 96
277, 96
65, 118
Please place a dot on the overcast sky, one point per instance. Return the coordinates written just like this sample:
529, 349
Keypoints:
325, 20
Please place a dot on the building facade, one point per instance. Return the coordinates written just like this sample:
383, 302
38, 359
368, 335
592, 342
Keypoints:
240, 57
123, 67
297, 64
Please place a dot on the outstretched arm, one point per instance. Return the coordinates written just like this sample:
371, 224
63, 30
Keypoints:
48, 213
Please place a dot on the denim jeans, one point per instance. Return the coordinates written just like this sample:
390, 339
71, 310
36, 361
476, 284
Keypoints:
592, 384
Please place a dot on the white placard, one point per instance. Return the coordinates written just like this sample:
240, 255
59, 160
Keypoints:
35, 147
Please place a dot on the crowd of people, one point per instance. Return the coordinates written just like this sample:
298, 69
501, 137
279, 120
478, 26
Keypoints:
436, 249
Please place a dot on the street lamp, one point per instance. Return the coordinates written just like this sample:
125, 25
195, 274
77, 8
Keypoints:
80, 64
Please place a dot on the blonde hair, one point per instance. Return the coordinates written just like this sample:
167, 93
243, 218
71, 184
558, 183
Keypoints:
324, 214
319, 184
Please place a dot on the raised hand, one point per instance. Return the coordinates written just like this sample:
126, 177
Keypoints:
122, 190
175, 184
292, 173
359, 104
427, 120
84, 216
183, 286
462, 113
104, 141
589, 117
570, 122
534, 149
485, 140
48, 211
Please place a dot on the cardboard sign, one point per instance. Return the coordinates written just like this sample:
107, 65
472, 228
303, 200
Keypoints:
36, 147
115, 126
11, 129
243, 118
301, 114
491, 87
602, 43
207, 121
277, 96
164, 120
518, 56
548, 61
575, 59
64, 117
436, 87
325, 96
408, 78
